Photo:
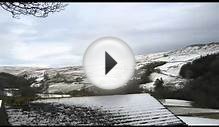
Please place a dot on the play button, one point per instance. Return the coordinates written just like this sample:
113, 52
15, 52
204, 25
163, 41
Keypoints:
109, 63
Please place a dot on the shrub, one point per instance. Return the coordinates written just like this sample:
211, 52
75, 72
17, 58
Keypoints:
158, 84
148, 69
200, 66
27, 93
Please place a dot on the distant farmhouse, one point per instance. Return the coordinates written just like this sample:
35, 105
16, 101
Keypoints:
11, 92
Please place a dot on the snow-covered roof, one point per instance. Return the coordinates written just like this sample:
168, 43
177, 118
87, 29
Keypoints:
131, 109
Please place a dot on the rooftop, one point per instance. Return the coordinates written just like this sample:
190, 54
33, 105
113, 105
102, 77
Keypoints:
131, 109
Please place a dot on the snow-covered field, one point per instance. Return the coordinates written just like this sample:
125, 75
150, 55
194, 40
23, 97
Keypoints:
64, 87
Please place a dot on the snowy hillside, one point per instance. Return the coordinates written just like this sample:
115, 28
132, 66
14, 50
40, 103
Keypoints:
53, 80
169, 72
63, 80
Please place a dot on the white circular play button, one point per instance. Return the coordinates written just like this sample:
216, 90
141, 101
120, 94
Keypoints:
109, 63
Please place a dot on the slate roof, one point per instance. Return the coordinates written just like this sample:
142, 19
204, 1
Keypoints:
131, 109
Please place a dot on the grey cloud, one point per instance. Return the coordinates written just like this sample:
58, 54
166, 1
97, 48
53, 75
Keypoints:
145, 27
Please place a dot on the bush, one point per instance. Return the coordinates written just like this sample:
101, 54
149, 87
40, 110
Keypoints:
18, 101
159, 84
148, 69
160, 91
133, 87
82, 92
200, 67
165, 55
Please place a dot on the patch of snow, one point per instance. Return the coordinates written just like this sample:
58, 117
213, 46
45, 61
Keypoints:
148, 86
11, 89
199, 121
53, 95
0, 103
64, 87
191, 110
176, 102
35, 85
39, 79
171, 68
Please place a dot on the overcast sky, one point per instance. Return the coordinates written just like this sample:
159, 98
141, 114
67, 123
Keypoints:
62, 38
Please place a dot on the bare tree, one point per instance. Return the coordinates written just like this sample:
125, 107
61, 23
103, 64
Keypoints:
38, 9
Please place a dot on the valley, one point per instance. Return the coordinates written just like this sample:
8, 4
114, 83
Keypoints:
69, 82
